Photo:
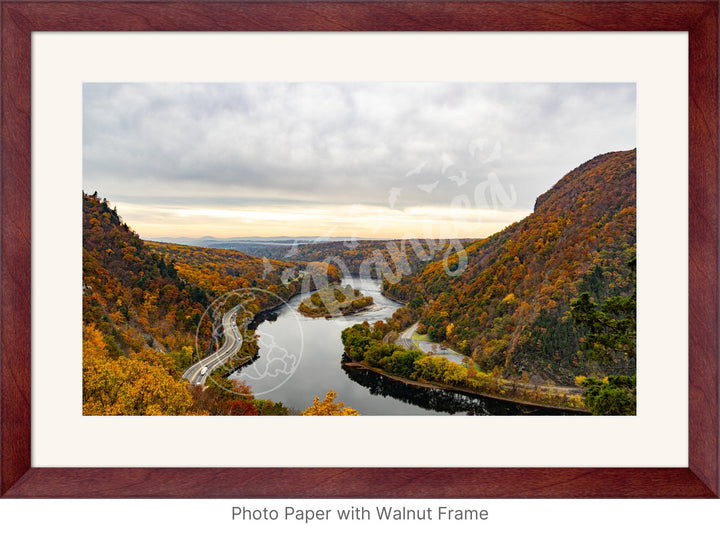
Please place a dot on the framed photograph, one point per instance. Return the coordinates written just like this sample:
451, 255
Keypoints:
161, 106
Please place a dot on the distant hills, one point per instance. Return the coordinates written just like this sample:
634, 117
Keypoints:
239, 243
351, 255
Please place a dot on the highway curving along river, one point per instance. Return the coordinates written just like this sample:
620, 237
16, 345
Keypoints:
198, 373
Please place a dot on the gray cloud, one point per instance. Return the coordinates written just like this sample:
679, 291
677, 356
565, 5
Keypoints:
230, 145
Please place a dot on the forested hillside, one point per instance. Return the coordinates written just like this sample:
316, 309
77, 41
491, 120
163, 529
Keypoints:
131, 294
510, 308
141, 313
218, 271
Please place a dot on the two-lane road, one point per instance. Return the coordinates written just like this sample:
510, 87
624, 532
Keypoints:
231, 345
405, 338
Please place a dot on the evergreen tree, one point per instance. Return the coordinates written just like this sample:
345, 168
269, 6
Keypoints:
611, 336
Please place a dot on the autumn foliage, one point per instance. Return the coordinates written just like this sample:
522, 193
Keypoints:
219, 271
128, 385
510, 308
329, 407
334, 300
142, 311
132, 295
366, 344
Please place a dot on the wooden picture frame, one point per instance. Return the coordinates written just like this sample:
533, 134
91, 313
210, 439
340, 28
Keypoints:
19, 479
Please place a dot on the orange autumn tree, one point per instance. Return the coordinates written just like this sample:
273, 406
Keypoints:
127, 386
329, 407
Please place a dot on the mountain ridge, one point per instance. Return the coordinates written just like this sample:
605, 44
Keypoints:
509, 308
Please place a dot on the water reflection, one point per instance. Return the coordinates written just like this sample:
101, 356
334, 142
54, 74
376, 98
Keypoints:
441, 401
435, 399
300, 358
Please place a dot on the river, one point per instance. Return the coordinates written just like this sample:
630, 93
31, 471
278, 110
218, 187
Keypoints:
301, 358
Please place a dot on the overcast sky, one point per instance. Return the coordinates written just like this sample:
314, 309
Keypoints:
372, 160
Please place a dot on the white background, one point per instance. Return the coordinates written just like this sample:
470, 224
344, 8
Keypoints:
514, 517
656, 62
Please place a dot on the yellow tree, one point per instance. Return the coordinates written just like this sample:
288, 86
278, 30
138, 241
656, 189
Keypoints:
329, 407
127, 386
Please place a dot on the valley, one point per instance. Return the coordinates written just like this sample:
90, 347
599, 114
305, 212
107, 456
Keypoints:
472, 326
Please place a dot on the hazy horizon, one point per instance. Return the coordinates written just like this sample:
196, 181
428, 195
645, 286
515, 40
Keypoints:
366, 160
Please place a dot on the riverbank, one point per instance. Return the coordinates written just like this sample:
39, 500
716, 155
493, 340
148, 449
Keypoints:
520, 398
299, 361
393, 299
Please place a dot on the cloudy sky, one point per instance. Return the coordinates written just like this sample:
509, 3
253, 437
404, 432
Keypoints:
373, 160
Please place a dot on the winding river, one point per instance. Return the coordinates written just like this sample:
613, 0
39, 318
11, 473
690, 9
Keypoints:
301, 358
